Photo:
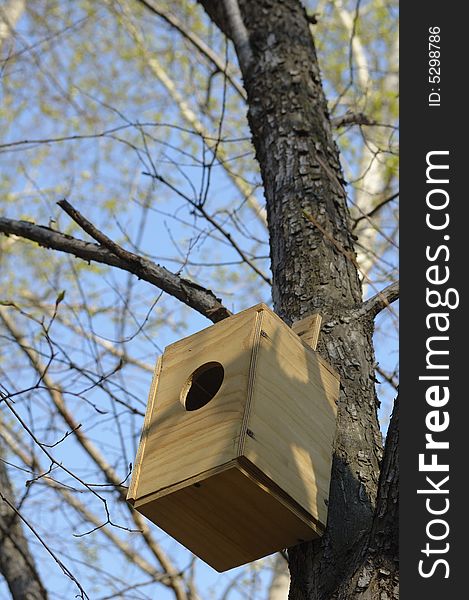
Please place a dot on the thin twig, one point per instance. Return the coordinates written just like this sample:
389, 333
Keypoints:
389, 377
377, 208
64, 569
194, 39
174, 580
200, 208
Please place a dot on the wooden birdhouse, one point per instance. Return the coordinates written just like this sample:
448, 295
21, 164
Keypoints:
235, 455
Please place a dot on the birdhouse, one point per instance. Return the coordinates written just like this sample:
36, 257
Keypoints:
235, 455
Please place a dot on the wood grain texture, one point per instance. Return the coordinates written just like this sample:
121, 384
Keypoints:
228, 520
308, 329
293, 414
260, 311
132, 491
248, 473
181, 443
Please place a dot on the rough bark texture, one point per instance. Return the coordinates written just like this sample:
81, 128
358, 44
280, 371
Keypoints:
16, 561
376, 574
300, 167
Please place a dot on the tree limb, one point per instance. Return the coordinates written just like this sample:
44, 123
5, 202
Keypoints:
372, 307
62, 566
239, 33
199, 207
200, 299
173, 579
190, 117
389, 377
351, 118
17, 446
16, 562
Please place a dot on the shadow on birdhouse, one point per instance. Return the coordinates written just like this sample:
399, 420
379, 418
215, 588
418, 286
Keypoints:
235, 455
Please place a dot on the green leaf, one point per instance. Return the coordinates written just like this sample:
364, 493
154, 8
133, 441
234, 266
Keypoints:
60, 297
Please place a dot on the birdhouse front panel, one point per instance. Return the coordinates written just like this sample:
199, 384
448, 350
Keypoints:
198, 404
235, 455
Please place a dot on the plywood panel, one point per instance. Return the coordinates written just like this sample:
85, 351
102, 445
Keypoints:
292, 417
228, 520
181, 443
308, 329
137, 467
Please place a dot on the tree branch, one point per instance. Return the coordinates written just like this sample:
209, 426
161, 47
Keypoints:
389, 377
372, 307
351, 118
200, 299
62, 566
17, 446
54, 391
239, 33
377, 208
199, 207
16, 561
190, 117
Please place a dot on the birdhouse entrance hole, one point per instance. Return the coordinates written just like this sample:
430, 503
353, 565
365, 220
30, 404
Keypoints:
202, 385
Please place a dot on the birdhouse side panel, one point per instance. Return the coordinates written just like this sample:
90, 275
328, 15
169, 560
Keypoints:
181, 443
292, 418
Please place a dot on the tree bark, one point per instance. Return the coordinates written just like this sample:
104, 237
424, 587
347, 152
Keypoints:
313, 272
376, 566
188, 292
16, 562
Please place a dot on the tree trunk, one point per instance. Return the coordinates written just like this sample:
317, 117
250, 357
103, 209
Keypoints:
375, 572
16, 562
313, 268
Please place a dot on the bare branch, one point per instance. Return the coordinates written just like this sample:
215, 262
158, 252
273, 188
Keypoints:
377, 208
194, 39
199, 207
32, 463
64, 569
389, 377
190, 117
200, 299
351, 118
89, 335
372, 307
239, 33
16, 562
55, 393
